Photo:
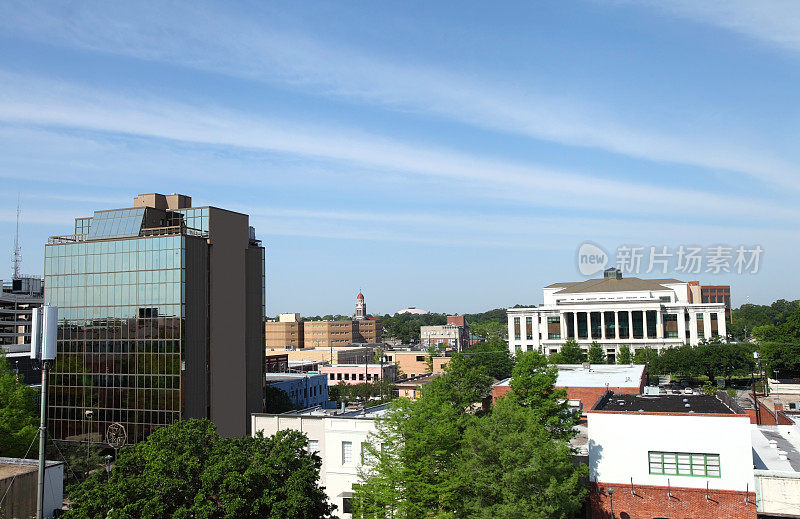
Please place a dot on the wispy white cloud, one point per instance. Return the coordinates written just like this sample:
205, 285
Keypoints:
254, 49
52, 104
775, 22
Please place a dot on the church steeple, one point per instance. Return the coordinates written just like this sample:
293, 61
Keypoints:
361, 306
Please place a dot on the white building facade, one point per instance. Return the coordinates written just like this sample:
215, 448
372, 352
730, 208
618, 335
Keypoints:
615, 311
338, 439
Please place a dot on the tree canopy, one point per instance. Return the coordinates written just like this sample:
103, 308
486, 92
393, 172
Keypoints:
188, 470
493, 355
441, 456
19, 413
597, 355
571, 353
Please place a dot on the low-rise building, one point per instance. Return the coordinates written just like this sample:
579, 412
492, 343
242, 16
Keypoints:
19, 483
776, 459
339, 439
344, 355
411, 388
454, 334
670, 456
276, 363
358, 373
304, 389
411, 363
616, 311
586, 383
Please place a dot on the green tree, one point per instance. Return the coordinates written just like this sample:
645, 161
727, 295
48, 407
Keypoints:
188, 470
533, 386
781, 360
624, 356
416, 475
19, 414
511, 467
432, 352
571, 353
276, 400
597, 354
494, 356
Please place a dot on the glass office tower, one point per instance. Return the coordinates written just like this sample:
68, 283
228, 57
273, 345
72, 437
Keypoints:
156, 305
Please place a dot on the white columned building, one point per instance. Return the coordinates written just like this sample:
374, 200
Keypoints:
615, 311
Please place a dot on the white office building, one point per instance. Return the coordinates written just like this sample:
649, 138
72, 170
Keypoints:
613, 311
338, 438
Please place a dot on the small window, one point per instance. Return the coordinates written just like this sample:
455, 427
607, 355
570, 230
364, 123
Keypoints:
347, 505
313, 446
347, 453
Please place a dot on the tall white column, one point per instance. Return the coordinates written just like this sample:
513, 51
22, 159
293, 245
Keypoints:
659, 324
616, 325
630, 324
707, 325
693, 328
575, 325
682, 326
603, 325
511, 345
722, 326
562, 319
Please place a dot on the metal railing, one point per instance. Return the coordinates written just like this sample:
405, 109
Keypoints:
153, 231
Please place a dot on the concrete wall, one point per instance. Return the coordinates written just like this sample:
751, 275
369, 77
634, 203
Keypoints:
20, 492
778, 493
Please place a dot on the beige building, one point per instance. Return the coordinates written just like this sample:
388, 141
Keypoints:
354, 355
284, 333
412, 363
326, 334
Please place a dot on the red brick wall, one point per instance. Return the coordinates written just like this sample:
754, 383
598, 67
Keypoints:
587, 395
686, 503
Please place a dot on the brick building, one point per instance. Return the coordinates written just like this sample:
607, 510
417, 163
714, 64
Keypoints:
286, 332
358, 373
687, 456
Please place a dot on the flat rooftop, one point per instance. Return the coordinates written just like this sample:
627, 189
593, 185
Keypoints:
665, 404
597, 375
10, 467
771, 443
282, 377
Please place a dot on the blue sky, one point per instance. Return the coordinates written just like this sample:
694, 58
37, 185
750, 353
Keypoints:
449, 158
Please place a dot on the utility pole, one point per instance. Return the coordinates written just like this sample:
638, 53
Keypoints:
44, 333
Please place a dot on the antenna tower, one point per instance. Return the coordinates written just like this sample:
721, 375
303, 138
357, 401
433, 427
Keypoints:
17, 250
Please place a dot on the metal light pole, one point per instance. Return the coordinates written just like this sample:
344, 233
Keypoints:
611, 495
44, 334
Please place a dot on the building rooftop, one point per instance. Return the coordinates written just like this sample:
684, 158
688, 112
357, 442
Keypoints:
772, 443
282, 377
613, 285
663, 404
319, 411
10, 467
597, 375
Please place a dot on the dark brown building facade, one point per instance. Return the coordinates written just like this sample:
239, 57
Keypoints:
161, 310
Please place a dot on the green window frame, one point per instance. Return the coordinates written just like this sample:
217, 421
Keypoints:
684, 464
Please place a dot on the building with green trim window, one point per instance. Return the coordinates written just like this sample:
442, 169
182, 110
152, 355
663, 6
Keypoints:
161, 308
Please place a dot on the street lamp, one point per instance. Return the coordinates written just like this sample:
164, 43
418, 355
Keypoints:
109, 463
611, 495
89, 415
